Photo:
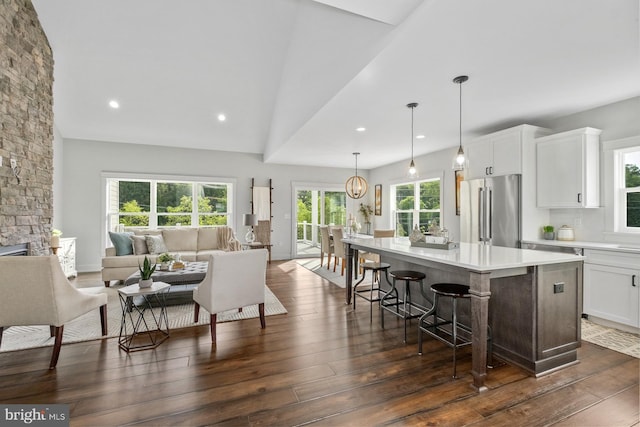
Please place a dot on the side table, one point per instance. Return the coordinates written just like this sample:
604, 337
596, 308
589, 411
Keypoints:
66, 252
142, 328
257, 245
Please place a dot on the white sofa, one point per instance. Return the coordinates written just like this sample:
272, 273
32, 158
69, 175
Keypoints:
193, 244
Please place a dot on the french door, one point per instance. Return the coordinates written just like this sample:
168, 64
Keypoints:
316, 206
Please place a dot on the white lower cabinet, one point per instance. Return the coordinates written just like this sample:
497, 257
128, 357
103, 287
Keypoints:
612, 286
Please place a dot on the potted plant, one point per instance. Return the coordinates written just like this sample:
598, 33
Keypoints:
165, 260
145, 273
547, 232
366, 211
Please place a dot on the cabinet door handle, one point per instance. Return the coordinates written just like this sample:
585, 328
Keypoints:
486, 170
633, 281
490, 170
579, 197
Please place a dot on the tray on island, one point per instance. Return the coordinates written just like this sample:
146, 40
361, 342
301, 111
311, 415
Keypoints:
446, 246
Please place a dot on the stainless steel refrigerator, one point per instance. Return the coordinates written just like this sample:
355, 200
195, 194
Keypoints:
490, 211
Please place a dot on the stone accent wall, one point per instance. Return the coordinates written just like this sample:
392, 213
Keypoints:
26, 128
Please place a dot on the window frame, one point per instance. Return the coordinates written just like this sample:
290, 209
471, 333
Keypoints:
416, 211
108, 177
622, 190
614, 181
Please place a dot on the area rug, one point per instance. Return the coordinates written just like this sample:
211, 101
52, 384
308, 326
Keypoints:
87, 327
313, 264
613, 339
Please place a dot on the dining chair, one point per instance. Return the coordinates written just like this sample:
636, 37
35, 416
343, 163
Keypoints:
369, 256
339, 252
326, 245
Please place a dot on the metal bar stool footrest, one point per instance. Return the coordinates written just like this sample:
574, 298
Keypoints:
404, 308
369, 289
435, 327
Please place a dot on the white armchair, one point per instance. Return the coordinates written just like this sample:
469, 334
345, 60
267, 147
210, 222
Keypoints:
35, 291
234, 280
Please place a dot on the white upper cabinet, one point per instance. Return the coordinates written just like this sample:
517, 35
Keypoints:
480, 155
568, 169
511, 151
496, 154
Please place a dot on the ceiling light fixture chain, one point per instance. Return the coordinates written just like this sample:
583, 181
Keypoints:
356, 186
460, 159
412, 165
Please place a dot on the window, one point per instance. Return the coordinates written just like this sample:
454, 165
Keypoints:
164, 203
628, 168
417, 203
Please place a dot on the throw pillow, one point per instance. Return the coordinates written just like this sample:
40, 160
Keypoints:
139, 245
155, 244
122, 243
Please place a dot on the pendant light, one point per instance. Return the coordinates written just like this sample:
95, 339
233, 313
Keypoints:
460, 159
412, 165
356, 186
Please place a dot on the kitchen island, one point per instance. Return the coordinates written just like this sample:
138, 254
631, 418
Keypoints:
536, 297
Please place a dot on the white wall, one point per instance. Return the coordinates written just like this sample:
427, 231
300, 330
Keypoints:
84, 161
58, 184
77, 181
618, 120
439, 163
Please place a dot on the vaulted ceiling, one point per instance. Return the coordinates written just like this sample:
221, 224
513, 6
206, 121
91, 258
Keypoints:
295, 78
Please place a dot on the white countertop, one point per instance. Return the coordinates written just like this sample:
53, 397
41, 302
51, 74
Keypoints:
619, 247
472, 256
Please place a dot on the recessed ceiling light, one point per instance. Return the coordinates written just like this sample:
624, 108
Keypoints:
419, 136
361, 129
114, 104
222, 117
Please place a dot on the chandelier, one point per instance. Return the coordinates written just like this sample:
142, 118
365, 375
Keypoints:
356, 186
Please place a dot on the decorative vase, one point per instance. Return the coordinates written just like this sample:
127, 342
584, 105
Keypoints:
145, 283
164, 266
416, 235
550, 235
55, 241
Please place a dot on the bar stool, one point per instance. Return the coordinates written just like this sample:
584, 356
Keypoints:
375, 268
404, 308
435, 327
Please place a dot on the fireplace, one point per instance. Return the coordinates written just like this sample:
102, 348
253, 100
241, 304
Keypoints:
21, 249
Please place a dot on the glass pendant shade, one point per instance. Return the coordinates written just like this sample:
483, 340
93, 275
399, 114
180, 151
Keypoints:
460, 158
356, 186
412, 166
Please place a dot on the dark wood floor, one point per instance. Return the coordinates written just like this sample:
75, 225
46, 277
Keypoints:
321, 363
